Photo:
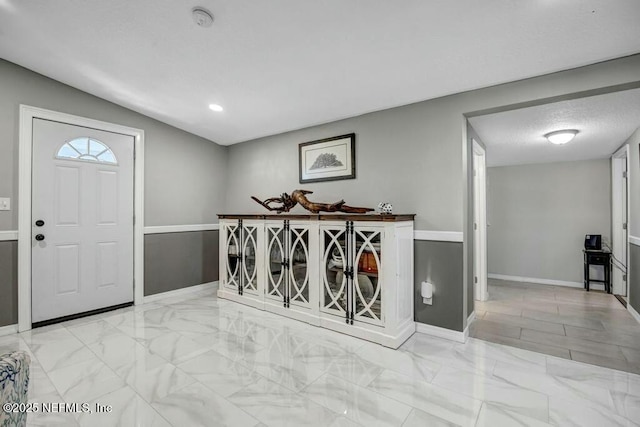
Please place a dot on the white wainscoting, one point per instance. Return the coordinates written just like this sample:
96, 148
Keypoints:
438, 236
9, 235
159, 229
181, 292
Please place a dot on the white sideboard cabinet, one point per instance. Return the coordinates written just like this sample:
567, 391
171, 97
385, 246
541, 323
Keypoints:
349, 273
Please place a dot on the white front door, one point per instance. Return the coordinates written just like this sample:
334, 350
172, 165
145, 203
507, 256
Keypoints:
82, 219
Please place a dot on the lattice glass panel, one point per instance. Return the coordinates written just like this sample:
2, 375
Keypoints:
367, 283
249, 250
334, 261
275, 265
298, 261
233, 260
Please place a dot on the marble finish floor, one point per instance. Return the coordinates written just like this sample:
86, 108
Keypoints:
590, 327
200, 361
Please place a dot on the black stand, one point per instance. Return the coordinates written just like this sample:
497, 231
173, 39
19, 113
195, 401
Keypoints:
594, 257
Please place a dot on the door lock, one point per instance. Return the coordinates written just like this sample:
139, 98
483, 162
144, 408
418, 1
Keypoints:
39, 223
39, 237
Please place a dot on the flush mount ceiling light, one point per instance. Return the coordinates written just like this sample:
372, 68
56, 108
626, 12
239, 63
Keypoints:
560, 137
215, 107
202, 17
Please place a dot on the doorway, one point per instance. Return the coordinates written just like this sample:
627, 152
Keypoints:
80, 247
480, 290
543, 198
82, 216
619, 220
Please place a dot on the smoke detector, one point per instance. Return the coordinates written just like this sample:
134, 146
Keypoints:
202, 17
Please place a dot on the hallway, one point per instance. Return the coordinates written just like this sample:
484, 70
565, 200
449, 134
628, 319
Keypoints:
592, 327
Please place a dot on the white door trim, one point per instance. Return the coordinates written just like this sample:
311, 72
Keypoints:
619, 159
27, 114
480, 218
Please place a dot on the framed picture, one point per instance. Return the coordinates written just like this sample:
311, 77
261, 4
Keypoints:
328, 159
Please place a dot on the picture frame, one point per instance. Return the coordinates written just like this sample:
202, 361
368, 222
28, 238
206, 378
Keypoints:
328, 159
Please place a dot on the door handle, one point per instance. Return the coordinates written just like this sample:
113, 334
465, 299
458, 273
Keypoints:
39, 223
39, 237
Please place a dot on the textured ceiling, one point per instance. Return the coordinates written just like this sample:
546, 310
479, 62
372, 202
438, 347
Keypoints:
516, 137
286, 64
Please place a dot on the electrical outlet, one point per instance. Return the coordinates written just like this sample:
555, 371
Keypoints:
5, 204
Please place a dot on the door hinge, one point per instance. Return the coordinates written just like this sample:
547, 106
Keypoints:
624, 174
475, 225
134, 220
624, 277
475, 172
624, 225
475, 279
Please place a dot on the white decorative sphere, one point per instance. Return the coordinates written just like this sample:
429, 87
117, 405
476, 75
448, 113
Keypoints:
385, 208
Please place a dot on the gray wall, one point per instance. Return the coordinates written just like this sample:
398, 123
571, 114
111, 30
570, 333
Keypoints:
8, 283
540, 213
413, 156
440, 263
179, 260
185, 175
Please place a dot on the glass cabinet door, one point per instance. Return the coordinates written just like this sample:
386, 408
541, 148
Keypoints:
233, 250
367, 289
249, 252
298, 261
275, 265
333, 296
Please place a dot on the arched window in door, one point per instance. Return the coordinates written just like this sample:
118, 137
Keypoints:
87, 149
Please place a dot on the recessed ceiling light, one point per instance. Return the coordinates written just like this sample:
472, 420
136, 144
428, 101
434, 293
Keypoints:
560, 137
215, 107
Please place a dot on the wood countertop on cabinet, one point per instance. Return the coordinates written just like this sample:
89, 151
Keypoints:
324, 217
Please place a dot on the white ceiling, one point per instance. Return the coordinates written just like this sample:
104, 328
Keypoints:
281, 65
517, 137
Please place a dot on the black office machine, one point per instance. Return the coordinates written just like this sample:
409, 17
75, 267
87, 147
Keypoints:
593, 242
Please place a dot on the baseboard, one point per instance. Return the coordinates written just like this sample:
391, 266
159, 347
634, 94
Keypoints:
630, 309
634, 240
539, 281
439, 332
470, 320
182, 291
8, 330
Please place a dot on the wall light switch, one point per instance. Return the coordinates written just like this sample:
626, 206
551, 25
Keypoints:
5, 204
